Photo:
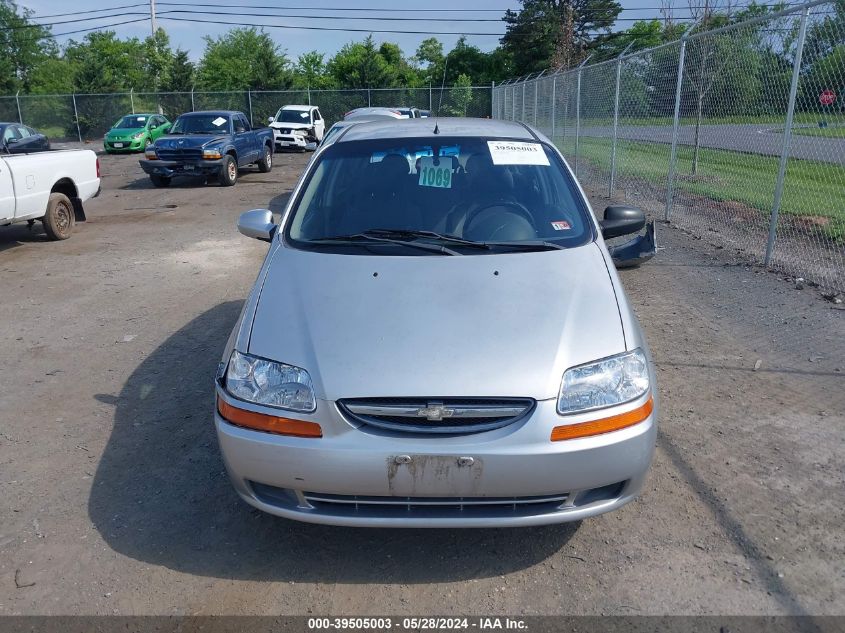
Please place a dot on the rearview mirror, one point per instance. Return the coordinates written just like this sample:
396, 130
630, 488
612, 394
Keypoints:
257, 223
621, 220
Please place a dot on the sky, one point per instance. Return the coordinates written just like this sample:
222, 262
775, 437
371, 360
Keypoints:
189, 35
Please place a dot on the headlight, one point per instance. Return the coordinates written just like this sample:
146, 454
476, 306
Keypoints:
138, 135
269, 383
604, 383
150, 153
211, 153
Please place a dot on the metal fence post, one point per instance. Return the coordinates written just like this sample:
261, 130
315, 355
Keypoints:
616, 121
522, 118
193, 108
673, 154
76, 117
787, 137
249, 101
309, 95
536, 95
554, 100
513, 103
369, 100
18, 101
578, 112
132, 99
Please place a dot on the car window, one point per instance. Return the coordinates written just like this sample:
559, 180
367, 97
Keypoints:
24, 131
133, 121
490, 190
317, 116
201, 124
241, 125
10, 133
292, 116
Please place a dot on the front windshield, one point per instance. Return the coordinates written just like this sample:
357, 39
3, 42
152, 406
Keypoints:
131, 122
477, 189
292, 116
201, 124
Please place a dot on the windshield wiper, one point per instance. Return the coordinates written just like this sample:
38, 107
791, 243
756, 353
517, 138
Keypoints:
364, 237
413, 234
529, 245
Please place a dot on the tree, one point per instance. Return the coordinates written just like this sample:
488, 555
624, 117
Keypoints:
430, 57
310, 72
243, 59
157, 61
360, 65
23, 46
545, 32
103, 63
460, 96
180, 75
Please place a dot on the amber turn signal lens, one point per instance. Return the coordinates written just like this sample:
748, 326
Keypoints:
604, 425
267, 423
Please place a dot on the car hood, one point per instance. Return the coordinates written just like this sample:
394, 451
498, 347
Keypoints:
188, 141
291, 126
429, 326
124, 132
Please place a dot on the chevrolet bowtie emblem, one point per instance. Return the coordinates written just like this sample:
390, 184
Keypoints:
435, 411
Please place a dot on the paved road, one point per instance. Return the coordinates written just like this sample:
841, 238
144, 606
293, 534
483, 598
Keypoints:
115, 500
752, 138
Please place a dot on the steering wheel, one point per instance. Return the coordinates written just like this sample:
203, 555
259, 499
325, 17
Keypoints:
515, 208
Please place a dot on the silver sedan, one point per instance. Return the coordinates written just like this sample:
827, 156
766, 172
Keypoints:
437, 338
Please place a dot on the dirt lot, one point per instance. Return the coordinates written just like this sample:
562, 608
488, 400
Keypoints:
114, 497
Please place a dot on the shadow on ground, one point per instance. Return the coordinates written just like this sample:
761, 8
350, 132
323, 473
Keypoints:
161, 495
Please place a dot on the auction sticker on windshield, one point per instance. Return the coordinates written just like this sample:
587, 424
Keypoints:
517, 153
432, 175
220, 121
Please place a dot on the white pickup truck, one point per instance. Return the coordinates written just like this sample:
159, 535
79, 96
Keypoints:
48, 186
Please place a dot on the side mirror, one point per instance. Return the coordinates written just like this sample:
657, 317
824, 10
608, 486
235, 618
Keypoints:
311, 146
257, 223
621, 220
11, 141
269, 119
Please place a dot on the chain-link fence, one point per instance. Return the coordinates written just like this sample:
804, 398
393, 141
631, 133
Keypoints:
736, 134
87, 117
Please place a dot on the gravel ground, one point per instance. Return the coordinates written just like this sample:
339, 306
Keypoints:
115, 500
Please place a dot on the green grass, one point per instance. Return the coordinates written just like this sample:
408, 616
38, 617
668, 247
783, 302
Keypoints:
825, 132
812, 189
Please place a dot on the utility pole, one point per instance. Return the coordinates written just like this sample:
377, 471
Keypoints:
153, 16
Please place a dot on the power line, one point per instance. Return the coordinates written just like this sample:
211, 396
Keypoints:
34, 25
289, 8
61, 15
327, 28
94, 28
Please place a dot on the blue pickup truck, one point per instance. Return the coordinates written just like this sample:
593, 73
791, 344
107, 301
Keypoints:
209, 144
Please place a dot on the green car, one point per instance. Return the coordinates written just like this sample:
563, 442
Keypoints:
134, 132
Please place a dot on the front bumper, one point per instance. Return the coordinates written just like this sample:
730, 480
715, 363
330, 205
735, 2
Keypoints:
135, 145
287, 141
517, 476
170, 168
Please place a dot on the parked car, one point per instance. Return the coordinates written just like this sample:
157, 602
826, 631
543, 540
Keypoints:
437, 338
213, 144
298, 127
48, 186
20, 139
372, 113
409, 113
133, 132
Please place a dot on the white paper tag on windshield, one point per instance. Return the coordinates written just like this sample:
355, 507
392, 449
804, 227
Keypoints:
142, 118
517, 153
220, 121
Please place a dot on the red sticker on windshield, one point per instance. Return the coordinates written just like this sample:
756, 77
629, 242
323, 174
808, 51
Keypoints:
561, 225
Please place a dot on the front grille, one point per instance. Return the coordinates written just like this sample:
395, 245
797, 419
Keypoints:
409, 507
283, 130
179, 154
437, 415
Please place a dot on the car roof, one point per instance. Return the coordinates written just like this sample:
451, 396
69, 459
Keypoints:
446, 126
297, 107
143, 114
210, 112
